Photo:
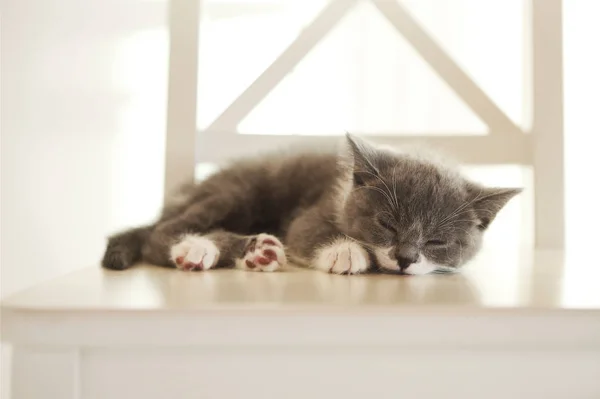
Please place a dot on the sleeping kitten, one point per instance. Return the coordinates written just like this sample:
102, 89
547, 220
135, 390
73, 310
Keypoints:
364, 209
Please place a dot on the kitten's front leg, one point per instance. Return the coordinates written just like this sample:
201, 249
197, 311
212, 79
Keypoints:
343, 256
195, 252
317, 242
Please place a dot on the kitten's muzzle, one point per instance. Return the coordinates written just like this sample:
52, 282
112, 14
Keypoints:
405, 255
404, 263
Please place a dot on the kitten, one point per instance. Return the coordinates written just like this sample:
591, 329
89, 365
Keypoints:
365, 209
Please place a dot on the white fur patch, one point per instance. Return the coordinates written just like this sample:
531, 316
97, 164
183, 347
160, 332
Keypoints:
423, 266
343, 256
195, 252
384, 260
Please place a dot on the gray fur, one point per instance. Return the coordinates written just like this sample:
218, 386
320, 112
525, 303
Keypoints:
413, 203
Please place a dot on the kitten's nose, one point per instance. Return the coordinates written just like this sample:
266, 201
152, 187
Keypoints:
406, 255
404, 263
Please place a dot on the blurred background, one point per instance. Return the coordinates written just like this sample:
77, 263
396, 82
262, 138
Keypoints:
84, 106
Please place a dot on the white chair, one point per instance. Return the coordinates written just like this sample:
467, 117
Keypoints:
541, 147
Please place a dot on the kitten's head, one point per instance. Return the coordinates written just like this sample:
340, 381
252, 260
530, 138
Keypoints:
416, 214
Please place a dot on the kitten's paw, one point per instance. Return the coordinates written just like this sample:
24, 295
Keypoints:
264, 253
342, 257
194, 252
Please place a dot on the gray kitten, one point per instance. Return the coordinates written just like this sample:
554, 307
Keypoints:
364, 209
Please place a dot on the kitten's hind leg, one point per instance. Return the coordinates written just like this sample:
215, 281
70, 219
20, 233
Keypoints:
262, 252
125, 248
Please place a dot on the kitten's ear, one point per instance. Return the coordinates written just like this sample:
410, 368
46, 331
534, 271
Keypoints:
361, 157
487, 202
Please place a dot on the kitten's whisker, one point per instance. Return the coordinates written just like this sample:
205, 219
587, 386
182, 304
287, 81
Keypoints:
394, 182
479, 197
389, 199
458, 209
471, 238
466, 204
386, 186
444, 270
452, 222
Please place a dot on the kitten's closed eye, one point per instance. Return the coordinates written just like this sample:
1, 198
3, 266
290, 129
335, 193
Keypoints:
387, 224
436, 243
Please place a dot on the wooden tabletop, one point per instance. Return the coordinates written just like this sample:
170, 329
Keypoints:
499, 278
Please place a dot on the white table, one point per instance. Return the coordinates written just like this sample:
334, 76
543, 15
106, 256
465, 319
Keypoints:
513, 325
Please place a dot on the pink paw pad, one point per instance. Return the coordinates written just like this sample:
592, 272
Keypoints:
189, 265
264, 253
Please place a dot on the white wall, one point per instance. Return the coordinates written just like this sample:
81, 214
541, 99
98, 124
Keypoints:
83, 109
582, 124
83, 90
582, 145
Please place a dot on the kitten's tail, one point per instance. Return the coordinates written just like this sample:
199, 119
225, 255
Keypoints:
125, 249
